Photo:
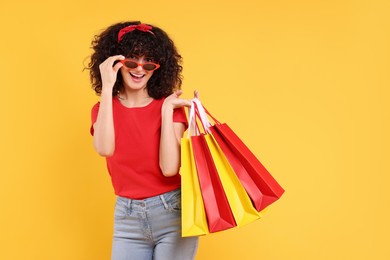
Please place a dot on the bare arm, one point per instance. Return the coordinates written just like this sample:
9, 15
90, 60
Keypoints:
104, 135
171, 134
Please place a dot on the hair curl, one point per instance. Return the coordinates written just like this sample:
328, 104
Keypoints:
157, 46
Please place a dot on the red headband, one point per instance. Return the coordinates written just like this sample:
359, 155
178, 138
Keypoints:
140, 27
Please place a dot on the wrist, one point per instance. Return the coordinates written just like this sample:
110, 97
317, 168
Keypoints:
167, 111
167, 106
107, 90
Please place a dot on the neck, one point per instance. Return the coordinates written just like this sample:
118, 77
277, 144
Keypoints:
134, 98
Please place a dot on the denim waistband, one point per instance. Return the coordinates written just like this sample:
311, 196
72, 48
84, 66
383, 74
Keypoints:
151, 201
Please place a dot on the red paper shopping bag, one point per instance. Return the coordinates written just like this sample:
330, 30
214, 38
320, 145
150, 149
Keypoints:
261, 187
258, 182
218, 212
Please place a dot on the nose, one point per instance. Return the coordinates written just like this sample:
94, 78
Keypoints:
140, 62
139, 66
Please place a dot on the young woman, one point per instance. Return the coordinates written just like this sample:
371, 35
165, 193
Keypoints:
137, 126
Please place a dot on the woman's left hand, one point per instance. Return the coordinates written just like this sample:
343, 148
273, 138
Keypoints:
174, 101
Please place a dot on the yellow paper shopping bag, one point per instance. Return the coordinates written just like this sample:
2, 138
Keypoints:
194, 222
239, 201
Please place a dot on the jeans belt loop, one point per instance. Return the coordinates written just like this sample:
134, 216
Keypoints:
164, 201
129, 202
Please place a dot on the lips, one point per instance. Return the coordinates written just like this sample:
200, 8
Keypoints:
137, 76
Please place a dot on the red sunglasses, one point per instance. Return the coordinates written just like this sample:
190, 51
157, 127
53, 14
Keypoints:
131, 64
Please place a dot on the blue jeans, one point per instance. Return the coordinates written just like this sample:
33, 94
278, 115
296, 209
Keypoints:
151, 229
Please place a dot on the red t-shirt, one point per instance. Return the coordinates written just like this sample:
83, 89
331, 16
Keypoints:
134, 166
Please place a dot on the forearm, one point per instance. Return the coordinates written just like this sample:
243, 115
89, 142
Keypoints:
104, 135
170, 144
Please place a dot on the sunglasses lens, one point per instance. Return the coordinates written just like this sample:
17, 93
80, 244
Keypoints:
149, 66
131, 64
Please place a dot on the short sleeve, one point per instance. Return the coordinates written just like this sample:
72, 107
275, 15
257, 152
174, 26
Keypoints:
179, 116
94, 114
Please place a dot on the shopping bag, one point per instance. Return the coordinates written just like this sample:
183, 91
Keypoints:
239, 201
194, 221
261, 187
218, 213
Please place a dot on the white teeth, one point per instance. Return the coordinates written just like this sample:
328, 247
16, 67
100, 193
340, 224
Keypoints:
137, 76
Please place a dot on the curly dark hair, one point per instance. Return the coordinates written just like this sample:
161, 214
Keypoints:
157, 46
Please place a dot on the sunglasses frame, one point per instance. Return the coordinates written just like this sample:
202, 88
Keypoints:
140, 64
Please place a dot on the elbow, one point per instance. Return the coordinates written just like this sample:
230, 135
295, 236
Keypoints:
169, 174
105, 151
169, 171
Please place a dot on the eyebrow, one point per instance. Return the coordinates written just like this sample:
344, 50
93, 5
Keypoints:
139, 56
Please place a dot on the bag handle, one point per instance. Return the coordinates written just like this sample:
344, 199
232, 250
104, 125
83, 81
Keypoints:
204, 113
208, 113
193, 127
198, 111
201, 114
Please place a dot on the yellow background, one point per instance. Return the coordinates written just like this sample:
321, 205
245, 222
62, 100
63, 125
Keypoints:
304, 83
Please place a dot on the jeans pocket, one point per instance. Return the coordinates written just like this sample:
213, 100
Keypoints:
120, 211
174, 202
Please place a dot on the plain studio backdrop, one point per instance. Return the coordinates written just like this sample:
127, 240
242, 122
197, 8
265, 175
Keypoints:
305, 84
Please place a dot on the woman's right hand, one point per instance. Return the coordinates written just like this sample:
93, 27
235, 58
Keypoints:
109, 71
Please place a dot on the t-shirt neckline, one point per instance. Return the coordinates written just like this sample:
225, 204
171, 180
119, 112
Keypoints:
145, 106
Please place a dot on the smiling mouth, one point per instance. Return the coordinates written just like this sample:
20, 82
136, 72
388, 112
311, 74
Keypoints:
137, 76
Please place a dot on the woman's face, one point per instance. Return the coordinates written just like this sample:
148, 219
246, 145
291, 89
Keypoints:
137, 78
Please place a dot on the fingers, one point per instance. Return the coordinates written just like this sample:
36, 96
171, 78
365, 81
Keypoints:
109, 62
109, 71
187, 103
115, 57
117, 66
196, 94
176, 101
178, 93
